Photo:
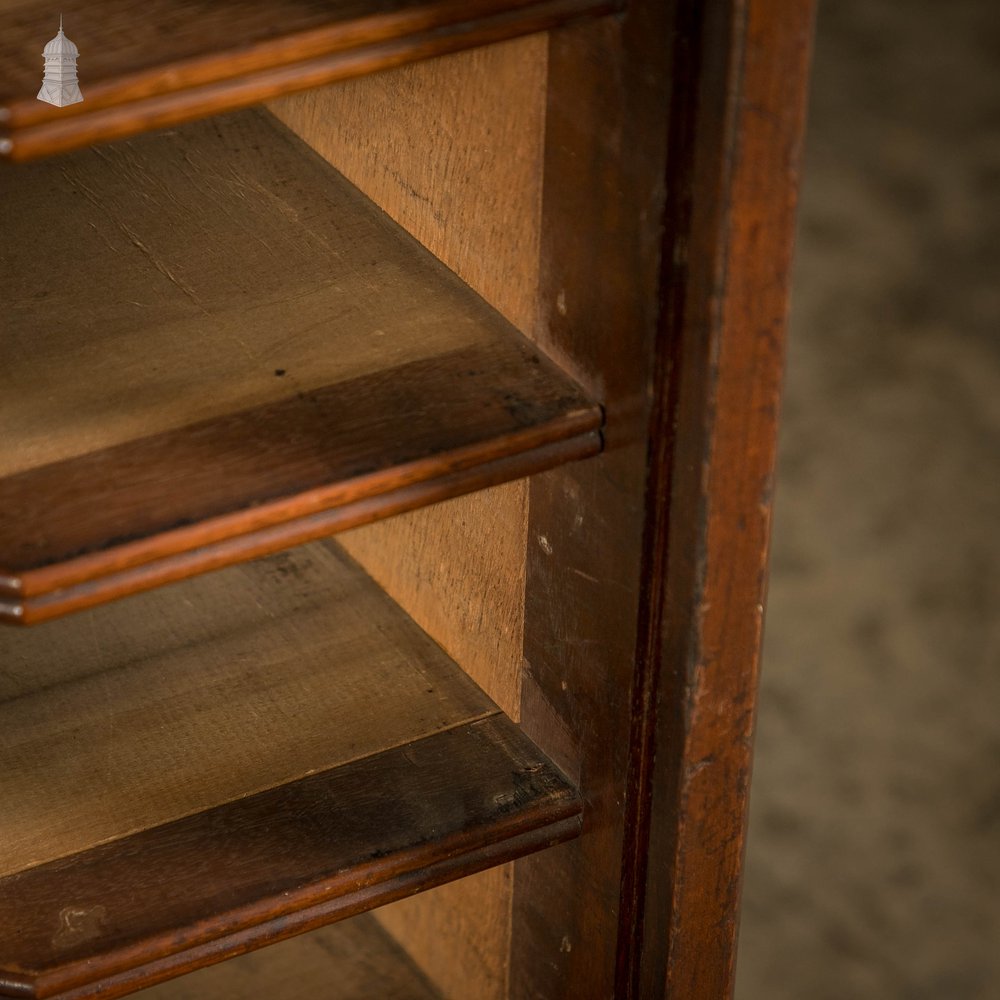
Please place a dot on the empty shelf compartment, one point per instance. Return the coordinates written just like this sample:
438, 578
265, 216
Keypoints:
214, 347
144, 66
201, 770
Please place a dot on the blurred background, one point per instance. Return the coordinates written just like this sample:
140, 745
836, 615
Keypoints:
873, 865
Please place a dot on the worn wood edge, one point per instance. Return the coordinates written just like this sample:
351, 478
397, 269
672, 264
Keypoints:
711, 503
303, 651
363, 960
665, 437
337, 507
407, 884
545, 822
295, 47
350, 33
116, 121
487, 713
603, 187
179, 566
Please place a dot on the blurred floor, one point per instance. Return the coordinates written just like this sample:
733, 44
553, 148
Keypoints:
874, 852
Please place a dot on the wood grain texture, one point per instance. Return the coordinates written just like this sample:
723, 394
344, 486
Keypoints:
144, 707
601, 226
171, 63
259, 869
458, 934
732, 206
467, 186
180, 272
258, 277
458, 569
670, 167
662, 729
456, 159
351, 960
284, 535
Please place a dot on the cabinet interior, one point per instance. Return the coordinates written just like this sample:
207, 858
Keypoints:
363, 959
468, 186
492, 291
177, 708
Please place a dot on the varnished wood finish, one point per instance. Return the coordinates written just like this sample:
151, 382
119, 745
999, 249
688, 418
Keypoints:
732, 206
265, 541
263, 868
351, 960
376, 769
602, 201
165, 63
468, 186
676, 184
653, 269
376, 373
144, 705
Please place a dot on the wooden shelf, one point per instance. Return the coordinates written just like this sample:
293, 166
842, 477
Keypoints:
197, 772
215, 347
164, 62
353, 960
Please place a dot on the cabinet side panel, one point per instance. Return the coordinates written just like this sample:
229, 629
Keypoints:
733, 182
452, 150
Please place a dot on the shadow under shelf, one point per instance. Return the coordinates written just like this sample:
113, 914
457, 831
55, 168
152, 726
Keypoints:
150, 65
202, 770
215, 348
352, 960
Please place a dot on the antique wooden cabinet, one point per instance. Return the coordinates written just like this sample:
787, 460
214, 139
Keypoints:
388, 392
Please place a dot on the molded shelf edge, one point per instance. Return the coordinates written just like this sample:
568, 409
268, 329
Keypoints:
90, 589
261, 869
195, 87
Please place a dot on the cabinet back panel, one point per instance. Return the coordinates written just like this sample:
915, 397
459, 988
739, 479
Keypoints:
452, 149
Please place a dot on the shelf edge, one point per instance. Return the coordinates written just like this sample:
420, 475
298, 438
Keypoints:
74, 594
542, 810
110, 121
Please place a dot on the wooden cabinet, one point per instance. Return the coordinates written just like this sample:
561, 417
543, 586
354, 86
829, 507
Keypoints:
388, 407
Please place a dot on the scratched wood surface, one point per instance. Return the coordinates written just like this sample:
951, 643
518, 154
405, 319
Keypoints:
352, 960
164, 62
604, 167
733, 198
468, 186
267, 322
262, 868
172, 702
233, 254
671, 174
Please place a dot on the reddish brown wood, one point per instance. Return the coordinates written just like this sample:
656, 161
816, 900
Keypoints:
262, 541
357, 954
160, 65
478, 406
79, 520
140, 910
671, 142
605, 147
670, 171
730, 216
